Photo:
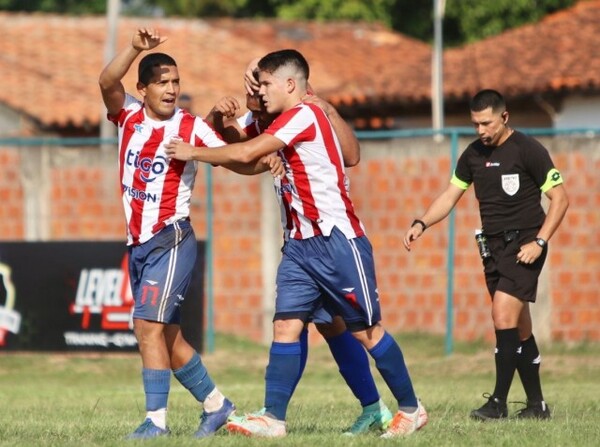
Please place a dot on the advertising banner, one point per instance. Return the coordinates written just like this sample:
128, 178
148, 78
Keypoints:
61, 296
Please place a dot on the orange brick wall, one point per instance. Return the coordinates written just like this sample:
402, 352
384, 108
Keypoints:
391, 186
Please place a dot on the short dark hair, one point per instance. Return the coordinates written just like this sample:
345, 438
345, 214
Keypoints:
487, 98
148, 62
277, 59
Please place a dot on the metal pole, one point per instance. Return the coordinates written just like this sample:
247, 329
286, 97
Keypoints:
210, 330
450, 258
437, 91
107, 129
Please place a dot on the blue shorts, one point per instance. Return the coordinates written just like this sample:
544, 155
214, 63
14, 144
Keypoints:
329, 273
160, 272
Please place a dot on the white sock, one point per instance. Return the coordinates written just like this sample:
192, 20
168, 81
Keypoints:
214, 401
158, 417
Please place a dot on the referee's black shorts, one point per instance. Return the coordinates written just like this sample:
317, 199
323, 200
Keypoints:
504, 274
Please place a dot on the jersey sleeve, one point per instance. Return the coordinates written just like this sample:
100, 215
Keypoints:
462, 176
248, 125
540, 166
292, 125
130, 103
206, 136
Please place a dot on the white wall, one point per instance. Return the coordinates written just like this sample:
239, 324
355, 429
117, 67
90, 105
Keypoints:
579, 112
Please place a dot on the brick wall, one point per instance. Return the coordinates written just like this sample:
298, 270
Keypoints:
55, 193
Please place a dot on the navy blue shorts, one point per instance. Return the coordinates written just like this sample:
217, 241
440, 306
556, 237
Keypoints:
330, 273
160, 272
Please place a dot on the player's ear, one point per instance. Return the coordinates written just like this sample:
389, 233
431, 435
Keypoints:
505, 116
141, 88
290, 85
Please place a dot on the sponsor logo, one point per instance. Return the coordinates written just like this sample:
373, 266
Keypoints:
105, 293
510, 184
10, 320
139, 194
492, 164
149, 168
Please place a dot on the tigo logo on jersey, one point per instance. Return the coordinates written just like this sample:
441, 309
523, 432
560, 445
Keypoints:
149, 168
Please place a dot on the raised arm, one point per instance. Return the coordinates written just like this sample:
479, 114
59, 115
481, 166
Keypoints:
113, 92
222, 118
345, 134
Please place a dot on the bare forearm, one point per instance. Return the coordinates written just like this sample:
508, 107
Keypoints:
439, 209
559, 204
346, 137
118, 67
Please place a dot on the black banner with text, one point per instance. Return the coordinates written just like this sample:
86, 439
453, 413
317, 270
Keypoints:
61, 296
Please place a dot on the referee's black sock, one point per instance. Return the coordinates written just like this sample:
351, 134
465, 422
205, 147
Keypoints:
507, 345
528, 366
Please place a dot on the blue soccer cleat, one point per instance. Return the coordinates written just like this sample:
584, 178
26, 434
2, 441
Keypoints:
376, 416
148, 430
211, 422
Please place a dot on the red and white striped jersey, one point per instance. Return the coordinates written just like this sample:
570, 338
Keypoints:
314, 192
156, 191
249, 125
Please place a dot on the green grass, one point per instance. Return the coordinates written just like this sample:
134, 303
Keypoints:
95, 400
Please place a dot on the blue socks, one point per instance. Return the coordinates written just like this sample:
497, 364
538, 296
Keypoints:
194, 377
303, 355
390, 363
353, 363
157, 383
281, 377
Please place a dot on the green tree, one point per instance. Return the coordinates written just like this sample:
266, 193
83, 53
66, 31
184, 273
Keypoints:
76, 7
472, 20
465, 20
366, 10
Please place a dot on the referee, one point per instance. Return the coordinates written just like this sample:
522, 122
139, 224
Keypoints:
509, 171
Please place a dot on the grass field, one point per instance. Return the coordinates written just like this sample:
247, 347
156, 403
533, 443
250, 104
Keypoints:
95, 400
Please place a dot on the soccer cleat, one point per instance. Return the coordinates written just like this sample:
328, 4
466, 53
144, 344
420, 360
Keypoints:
211, 422
235, 418
534, 410
404, 424
422, 418
148, 430
494, 408
262, 426
374, 417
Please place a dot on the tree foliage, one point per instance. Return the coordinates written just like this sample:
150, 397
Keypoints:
465, 20
76, 7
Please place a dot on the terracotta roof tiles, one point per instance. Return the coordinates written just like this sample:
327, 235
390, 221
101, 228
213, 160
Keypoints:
51, 63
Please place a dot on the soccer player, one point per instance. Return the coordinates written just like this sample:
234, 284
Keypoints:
326, 248
161, 243
509, 171
350, 356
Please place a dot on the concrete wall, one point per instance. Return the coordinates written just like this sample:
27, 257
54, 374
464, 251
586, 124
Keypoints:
53, 193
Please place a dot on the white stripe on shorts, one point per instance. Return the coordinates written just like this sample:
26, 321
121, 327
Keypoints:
363, 280
170, 273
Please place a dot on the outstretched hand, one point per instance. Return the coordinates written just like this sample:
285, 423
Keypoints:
147, 38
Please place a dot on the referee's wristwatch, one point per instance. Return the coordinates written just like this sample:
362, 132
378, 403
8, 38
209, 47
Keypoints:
541, 242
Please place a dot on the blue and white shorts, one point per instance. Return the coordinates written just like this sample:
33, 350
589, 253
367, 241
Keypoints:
160, 272
330, 272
